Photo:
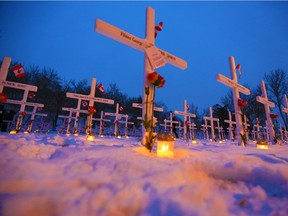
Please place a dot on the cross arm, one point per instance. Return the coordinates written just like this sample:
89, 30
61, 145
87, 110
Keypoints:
231, 83
183, 113
24, 102
19, 86
264, 101
128, 39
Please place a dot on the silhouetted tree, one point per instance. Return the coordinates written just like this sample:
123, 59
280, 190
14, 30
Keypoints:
277, 85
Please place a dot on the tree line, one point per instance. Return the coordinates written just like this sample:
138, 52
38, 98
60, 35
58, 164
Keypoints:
52, 93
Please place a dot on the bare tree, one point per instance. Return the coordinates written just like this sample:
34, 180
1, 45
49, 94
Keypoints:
277, 86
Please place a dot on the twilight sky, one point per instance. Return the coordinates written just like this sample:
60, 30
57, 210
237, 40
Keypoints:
61, 35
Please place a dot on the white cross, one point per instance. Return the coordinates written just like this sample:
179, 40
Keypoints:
101, 120
185, 115
141, 44
33, 113
267, 104
285, 108
23, 103
170, 123
211, 119
70, 116
236, 89
140, 106
126, 125
117, 117
246, 125
4, 71
205, 130
91, 98
258, 132
230, 125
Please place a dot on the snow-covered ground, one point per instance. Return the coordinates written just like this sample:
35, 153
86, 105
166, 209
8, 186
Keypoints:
45, 175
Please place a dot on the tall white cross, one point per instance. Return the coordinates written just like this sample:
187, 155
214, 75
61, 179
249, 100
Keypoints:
211, 119
185, 115
92, 99
117, 117
267, 104
4, 71
141, 44
231, 122
285, 108
236, 89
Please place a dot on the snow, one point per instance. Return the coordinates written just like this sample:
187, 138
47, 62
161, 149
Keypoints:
51, 174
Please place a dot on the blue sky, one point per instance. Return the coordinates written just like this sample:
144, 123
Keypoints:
61, 35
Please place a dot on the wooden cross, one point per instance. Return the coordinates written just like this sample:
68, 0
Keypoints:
236, 89
117, 117
70, 116
140, 106
230, 125
285, 108
101, 120
267, 104
23, 103
185, 115
170, 123
211, 119
92, 99
33, 113
141, 45
246, 125
4, 71
126, 125
258, 132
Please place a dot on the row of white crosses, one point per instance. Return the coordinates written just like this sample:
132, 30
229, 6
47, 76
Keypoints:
23, 103
141, 44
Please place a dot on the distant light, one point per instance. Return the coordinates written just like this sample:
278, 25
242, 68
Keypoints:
13, 132
76, 133
118, 136
26, 132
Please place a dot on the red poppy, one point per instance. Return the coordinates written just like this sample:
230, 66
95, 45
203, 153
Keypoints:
3, 97
242, 103
156, 79
272, 115
91, 110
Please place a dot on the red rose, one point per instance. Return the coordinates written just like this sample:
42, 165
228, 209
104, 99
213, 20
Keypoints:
153, 77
